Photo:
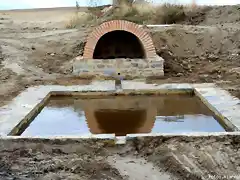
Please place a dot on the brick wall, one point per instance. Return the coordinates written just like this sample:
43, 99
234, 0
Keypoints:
114, 25
148, 65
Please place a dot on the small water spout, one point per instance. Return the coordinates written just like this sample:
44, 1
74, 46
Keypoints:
118, 82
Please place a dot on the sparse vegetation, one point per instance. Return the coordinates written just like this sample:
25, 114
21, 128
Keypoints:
147, 13
79, 19
169, 14
140, 12
77, 5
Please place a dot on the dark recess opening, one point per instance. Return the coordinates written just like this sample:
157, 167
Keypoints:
118, 44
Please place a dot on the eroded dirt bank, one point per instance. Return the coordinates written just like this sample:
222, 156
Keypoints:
142, 158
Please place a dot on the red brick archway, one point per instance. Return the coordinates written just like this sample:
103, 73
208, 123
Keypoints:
117, 25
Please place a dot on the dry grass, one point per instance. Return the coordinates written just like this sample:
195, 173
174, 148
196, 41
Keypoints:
149, 14
142, 13
80, 19
169, 14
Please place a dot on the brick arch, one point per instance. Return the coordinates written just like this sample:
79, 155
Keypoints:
115, 25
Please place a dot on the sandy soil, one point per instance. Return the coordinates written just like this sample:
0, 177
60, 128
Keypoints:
36, 48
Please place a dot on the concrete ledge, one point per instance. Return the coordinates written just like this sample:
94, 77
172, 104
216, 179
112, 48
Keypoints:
226, 107
86, 136
111, 140
129, 136
191, 134
33, 99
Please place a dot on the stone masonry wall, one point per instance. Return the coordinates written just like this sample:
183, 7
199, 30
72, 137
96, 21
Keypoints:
127, 67
150, 65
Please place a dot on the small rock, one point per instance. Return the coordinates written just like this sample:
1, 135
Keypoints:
33, 48
150, 151
179, 74
57, 151
213, 57
52, 54
185, 63
219, 76
203, 76
79, 58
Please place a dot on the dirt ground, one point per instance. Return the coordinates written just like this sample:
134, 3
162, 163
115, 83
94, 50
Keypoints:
166, 158
36, 48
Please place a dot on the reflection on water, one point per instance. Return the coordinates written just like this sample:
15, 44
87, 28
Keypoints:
58, 121
188, 123
125, 121
123, 115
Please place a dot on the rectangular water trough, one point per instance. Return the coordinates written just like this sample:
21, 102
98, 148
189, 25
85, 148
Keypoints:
217, 111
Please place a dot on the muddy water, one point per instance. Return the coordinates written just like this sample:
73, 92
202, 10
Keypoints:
123, 115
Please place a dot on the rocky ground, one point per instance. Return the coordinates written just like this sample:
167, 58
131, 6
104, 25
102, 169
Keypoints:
36, 48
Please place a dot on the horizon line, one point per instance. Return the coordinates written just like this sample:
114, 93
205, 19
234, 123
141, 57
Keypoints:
56, 7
